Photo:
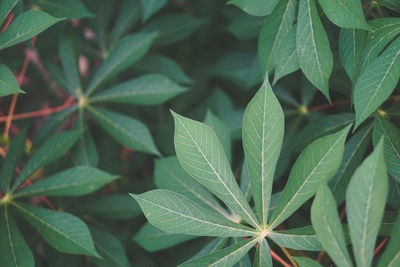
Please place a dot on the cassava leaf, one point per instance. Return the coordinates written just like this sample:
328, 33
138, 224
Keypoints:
366, 197
8, 83
71, 9
263, 257
303, 238
5, 8
391, 254
263, 127
150, 7
255, 8
175, 213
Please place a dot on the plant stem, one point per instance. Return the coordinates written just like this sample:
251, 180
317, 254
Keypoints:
380, 246
279, 259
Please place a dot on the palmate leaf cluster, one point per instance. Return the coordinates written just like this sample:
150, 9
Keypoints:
291, 150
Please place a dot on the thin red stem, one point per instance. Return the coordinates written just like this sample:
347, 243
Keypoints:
333, 104
380, 246
279, 259
9, 19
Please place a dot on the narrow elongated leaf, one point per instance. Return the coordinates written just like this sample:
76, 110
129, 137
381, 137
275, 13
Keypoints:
51, 125
215, 245
383, 32
391, 144
255, 8
222, 132
173, 27
245, 185
150, 89
153, 239
63, 231
391, 254
263, 127
175, 213
286, 56
15, 151
25, 26
306, 262
69, 60
377, 82
165, 66
303, 238
351, 44
169, 175
392, 4
116, 206
317, 163
126, 52
8, 83
345, 13
224, 257
109, 248
150, 7
5, 8
202, 156
326, 222
126, 130
275, 28
51, 150
71, 9
366, 197
72, 182
14, 251
354, 152
262, 257
313, 50
129, 14
57, 74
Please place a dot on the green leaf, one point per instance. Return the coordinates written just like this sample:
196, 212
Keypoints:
213, 246
255, 8
72, 182
14, 250
317, 163
168, 174
175, 213
221, 130
262, 258
85, 150
383, 32
303, 238
165, 66
150, 7
5, 8
116, 206
326, 222
245, 185
263, 127
313, 50
150, 89
8, 83
306, 262
63, 231
224, 257
51, 125
69, 60
286, 59
377, 82
126, 52
392, 4
51, 150
129, 14
153, 239
71, 9
245, 26
109, 248
58, 76
391, 147
15, 152
276, 26
391, 254
126, 130
202, 156
345, 13
366, 197
354, 152
173, 27
351, 45
25, 26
